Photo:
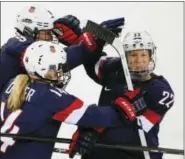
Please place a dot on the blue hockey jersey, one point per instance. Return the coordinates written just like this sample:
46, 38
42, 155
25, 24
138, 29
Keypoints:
157, 99
44, 109
13, 51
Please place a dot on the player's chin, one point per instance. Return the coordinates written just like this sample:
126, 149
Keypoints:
138, 68
45, 38
48, 39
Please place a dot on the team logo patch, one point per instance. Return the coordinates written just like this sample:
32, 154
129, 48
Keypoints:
52, 49
32, 9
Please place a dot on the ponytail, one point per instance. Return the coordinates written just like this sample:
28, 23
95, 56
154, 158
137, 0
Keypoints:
17, 96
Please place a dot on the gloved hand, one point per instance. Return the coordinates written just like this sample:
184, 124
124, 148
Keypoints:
137, 98
114, 25
88, 41
131, 104
83, 141
67, 29
125, 109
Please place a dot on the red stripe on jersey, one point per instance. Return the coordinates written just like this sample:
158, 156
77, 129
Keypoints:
62, 115
100, 69
21, 58
99, 129
152, 116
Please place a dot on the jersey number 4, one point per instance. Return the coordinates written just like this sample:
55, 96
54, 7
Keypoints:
167, 100
8, 127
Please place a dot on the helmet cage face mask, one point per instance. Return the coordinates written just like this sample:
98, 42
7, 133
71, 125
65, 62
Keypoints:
61, 73
140, 41
142, 73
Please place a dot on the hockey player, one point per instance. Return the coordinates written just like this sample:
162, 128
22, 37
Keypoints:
35, 23
152, 98
32, 104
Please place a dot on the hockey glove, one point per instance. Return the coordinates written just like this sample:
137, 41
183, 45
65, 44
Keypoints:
88, 41
115, 25
67, 29
131, 104
125, 109
137, 98
83, 141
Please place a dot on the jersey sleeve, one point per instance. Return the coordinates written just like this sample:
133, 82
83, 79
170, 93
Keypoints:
11, 59
16, 45
106, 65
90, 67
159, 98
70, 109
101, 67
77, 54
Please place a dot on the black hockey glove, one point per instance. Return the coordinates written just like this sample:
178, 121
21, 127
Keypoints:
83, 141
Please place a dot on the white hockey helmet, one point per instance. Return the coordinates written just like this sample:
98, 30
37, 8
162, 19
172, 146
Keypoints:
42, 57
137, 41
32, 19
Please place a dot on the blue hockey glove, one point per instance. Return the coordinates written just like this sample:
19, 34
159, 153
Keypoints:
115, 25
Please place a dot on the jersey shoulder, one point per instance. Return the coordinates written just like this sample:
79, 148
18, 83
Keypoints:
160, 83
53, 99
17, 44
159, 92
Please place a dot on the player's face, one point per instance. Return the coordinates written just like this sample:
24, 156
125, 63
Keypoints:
138, 60
45, 35
54, 75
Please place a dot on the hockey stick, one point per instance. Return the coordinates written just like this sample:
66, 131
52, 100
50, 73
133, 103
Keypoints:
113, 40
117, 147
131, 148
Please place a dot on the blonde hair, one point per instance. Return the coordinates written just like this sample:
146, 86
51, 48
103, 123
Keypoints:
17, 95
